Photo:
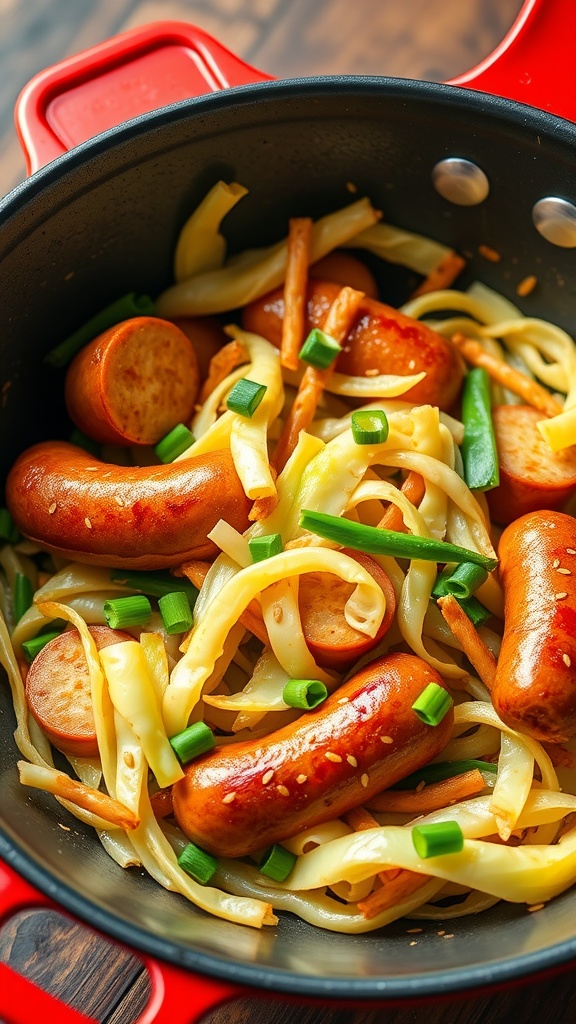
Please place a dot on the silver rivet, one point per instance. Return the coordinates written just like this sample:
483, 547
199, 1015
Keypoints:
460, 181
555, 219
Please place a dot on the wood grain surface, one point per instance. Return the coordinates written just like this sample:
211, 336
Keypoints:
428, 39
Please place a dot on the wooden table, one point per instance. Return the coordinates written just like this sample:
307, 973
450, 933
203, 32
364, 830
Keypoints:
412, 38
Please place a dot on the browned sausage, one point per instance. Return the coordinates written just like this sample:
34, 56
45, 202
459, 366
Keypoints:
206, 335
58, 690
535, 686
321, 599
364, 737
531, 475
133, 383
145, 517
344, 268
382, 339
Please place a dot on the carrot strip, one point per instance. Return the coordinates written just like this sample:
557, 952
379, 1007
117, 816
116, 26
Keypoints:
474, 648
263, 507
222, 363
529, 390
414, 489
337, 324
53, 781
432, 797
298, 258
443, 275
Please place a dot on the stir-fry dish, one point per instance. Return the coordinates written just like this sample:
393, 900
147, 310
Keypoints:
290, 618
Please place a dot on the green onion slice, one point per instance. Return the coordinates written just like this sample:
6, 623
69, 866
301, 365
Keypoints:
197, 863
277, 863
176, 612
461, 582
174, 443
479, 452
33, 646
374, 541
304, 693
197, 739
22, 596
433, 704
245, 397
264, 547
127, 611
157, 584
438, 838
475, 611
123, 309
444, 770
8, 529
369, 426
319, 349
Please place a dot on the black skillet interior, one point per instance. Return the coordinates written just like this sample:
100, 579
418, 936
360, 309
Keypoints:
102, 221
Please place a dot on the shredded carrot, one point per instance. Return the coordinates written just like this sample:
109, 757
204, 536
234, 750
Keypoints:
414, 489
529, 390
337, 324
443, 275
195, 571
251, 617
263, 507
53, 781
298, 258
478, 654
432, 797
222, 363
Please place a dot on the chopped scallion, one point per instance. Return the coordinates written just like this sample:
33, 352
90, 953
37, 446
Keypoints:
369, 426
123, 309
22, 596
127, 611
277, 863
475, 611
33, 646
462, 581
433, 704
438, 838
444, 770
264, 547
176, 612
174, 443
373, 540
245, 397
157, 584
319, 349
197, 739
8, 529
479, 452
197, 863
304, 693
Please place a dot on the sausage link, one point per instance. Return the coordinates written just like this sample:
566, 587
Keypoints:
145, 517
365, 737
381, 339
535, 685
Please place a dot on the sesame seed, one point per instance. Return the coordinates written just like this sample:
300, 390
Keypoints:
87, 523
560, 596
352, 760
386, 739
364, 779
411, 364
301, 778
118, 500
65, 828
267, 777
277, 613
555, 563
283, 790
52, 508
565, 572
451, 936
128, 758
526, 285
489, 254
571, 551
343, 700
330, 756
567, 660
535, 906
228, 798
443, 932
372, 372
414, 931
413, 943
420, 786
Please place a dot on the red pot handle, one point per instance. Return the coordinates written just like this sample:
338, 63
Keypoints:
534, 64
177, 996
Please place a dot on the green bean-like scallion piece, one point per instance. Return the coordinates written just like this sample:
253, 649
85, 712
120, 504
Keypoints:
9, 532
127, 611
444, 770
174, 443
33, 646
433, 704
479, 453
277, 863
437, 839
265, 547
464, 580
319, 349
197, 863
124, 308
193, 741
369, 426
176, 612
22, 595
245, 397
375, 541
304, 693
156, 584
